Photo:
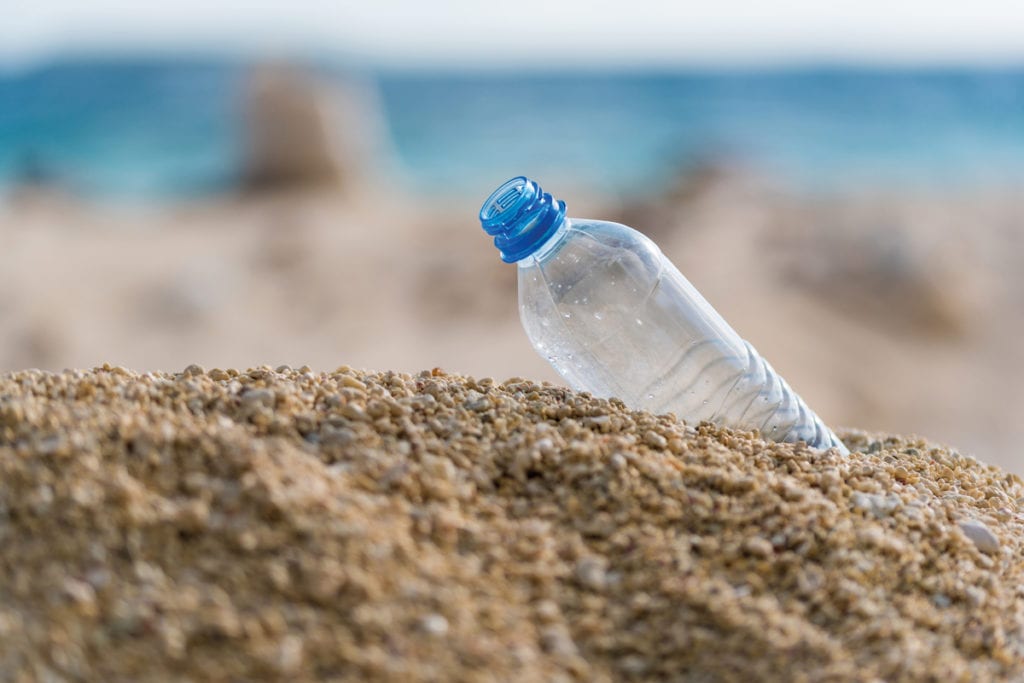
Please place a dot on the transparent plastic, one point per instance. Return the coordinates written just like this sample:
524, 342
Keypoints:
616, 318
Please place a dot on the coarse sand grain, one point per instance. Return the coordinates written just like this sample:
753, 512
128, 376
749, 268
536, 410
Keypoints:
289, 524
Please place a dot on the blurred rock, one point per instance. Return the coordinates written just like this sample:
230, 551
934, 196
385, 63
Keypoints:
887, 264
696, 186
899, 264
289, 140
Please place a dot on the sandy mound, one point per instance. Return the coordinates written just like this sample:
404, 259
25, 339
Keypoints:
257, 525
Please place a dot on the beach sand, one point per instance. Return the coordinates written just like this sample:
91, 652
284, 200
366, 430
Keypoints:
291, 524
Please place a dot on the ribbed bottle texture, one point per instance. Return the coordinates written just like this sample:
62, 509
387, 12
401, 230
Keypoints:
761, 399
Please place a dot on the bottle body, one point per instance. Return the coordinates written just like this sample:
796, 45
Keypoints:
616, 318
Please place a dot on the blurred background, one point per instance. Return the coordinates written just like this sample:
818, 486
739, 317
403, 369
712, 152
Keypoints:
297, 183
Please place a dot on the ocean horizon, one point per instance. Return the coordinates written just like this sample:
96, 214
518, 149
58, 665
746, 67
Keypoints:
154, 129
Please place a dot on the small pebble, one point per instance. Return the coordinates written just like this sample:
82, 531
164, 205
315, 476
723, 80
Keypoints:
258, 397
194, 371
435, 624
654, 439
590, 572
757, 546
981, 536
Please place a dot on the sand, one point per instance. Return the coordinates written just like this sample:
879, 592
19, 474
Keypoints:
290, 524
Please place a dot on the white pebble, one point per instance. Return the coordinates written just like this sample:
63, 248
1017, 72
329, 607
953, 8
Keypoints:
981, 536
434, 624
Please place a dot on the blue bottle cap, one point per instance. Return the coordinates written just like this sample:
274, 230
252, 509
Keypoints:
521, 217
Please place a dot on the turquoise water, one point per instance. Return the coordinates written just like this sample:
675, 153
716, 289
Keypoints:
160, 129
122, 130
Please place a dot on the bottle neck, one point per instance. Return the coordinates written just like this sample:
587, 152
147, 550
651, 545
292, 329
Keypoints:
522, 218
549, 245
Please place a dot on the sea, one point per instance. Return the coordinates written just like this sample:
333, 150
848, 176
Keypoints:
164, 129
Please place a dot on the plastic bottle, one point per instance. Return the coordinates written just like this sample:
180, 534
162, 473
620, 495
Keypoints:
614, 317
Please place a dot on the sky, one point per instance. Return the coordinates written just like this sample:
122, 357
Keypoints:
526, 32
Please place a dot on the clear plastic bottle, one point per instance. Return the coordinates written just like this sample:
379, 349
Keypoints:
614, 317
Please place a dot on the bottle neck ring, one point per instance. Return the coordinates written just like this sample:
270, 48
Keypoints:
521, 217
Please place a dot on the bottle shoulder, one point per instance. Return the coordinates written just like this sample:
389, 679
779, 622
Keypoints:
616, 235
592, 244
